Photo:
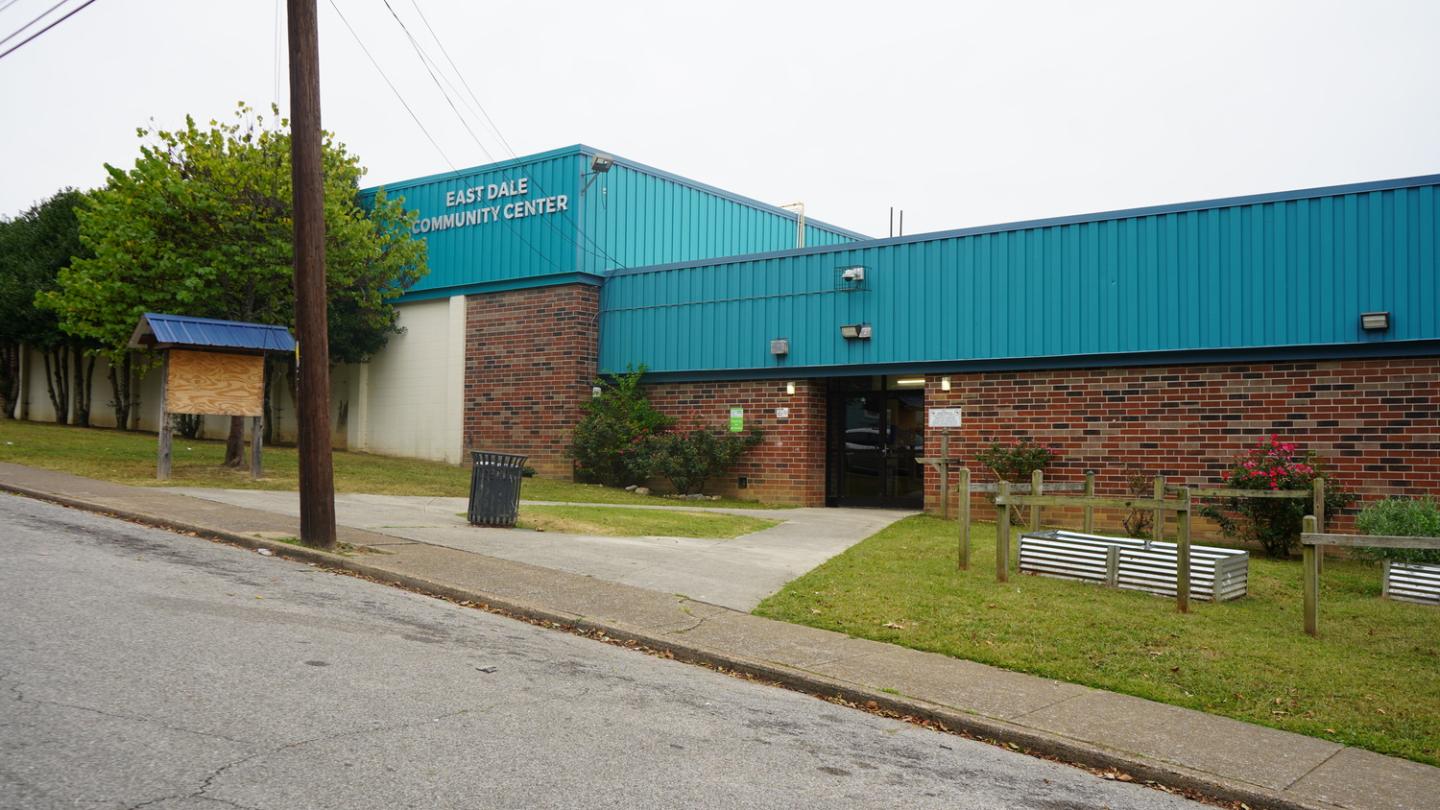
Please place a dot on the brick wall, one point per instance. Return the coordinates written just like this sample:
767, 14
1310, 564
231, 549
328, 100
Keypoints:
1374, 423
789, 467
530, 359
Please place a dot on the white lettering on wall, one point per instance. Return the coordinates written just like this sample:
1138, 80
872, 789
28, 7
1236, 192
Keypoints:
504, 190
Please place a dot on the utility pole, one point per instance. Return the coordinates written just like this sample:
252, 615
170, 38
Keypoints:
317, 483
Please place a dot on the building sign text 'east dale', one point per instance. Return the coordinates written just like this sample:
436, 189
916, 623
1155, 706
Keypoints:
488, 193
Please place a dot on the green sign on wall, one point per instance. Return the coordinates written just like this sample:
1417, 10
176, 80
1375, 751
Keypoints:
737, 420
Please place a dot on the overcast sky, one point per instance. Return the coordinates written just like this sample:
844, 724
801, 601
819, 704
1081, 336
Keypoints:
960, 113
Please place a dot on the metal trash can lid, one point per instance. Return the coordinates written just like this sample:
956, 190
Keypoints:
497, 459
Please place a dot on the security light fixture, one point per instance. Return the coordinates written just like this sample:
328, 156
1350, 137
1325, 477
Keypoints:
854, 274
601, 164
790, 388
1374, 321
780, 347
595, 392
944, 383
855, 331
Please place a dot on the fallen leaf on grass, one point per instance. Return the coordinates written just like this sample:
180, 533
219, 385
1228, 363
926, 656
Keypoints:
894, 625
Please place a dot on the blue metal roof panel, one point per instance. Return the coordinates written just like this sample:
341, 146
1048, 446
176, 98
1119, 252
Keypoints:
185, 330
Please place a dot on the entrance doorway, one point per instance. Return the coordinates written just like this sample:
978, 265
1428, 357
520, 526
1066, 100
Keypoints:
875, 433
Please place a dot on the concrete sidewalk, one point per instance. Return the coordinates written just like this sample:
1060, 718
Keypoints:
735, 573
1178, 747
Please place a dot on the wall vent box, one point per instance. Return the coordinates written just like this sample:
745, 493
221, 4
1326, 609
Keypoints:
780, 347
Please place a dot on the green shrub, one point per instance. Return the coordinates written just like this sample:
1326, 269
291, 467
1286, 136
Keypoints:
607, 442
1401, 517
1274, 523
1016, 462
688, 460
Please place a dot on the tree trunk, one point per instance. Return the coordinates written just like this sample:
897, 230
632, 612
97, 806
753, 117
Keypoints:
57, 381
235, 442
269, 435
9, 377
84, 368
120, 380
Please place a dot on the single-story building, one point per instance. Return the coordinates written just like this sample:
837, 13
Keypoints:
1160, 340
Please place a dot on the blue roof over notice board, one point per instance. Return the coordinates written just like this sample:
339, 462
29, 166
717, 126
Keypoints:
209, 333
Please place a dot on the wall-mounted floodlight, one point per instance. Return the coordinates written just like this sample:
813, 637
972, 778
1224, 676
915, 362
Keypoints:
601, 164
790, 388
1374, 321
855, 331
944, 383
595, 392
854, 274
780, 347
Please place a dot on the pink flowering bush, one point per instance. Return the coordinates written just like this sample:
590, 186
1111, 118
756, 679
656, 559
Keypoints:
1274, 523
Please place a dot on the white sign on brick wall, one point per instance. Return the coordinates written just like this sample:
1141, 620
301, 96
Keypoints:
944, 418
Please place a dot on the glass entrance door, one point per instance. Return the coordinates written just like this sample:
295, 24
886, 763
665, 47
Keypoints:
875, 439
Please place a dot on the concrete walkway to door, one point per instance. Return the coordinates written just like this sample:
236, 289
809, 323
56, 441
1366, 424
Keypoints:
735, 573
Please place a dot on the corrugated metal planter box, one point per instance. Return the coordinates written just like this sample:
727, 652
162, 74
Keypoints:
1411, 582
1216, 574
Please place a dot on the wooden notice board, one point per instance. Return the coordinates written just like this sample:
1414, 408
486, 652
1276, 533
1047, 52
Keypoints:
215, 383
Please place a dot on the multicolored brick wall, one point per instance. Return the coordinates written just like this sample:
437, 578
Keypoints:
1375, 424
530, 360
789, 466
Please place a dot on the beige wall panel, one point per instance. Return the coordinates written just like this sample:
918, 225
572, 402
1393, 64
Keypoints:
215, 383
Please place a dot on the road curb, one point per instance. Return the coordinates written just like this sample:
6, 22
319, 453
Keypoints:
988, 729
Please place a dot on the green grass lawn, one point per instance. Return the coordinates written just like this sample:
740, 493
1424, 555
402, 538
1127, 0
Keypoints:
619, 521
129, 458
1372, 679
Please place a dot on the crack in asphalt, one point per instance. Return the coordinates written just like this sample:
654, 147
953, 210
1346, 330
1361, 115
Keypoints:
209, 781
20, 696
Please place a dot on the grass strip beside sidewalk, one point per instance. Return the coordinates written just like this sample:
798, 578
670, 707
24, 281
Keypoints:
129, 458
1371, 680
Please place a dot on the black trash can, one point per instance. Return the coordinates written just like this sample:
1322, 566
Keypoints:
495, 488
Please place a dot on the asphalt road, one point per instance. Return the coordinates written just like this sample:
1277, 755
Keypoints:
140, 668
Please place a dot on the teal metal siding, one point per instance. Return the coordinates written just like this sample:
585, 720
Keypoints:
1271, 272
633, 215
501, 250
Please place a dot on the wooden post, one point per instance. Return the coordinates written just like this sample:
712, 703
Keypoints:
1317, 508
162, 463
1182, 553
1037, 484
1112, 566
257, 434
1002, 534
1384, 579
964, 515
1157, 518
944, 474
1310, 566
317, 475
1089, 493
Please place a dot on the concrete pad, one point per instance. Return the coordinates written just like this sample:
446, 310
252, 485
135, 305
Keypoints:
1358, 778
737, 572
1262, 756
952, 682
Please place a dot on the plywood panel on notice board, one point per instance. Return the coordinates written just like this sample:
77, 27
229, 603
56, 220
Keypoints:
215, 383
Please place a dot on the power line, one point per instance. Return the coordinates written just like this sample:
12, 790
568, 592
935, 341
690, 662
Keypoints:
595, 250
42, 15
428, 136
28, 39
8, 4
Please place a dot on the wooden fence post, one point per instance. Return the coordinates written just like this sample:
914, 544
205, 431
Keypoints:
1157, 518
1311, 568
944, 470
1002, 533
1317, 507
162, 463
1182, 553
1089, 493
1037, 485
257, 432
964, 516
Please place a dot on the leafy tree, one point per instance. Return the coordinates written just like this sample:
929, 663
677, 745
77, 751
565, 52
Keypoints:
35, 248
202, 225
